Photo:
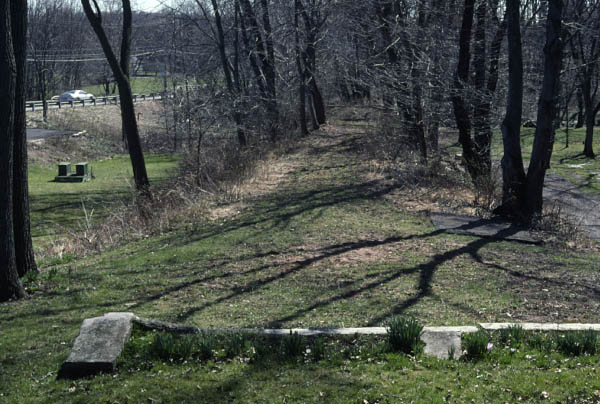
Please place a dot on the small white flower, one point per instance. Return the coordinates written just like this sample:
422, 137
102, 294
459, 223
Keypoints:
490, 346
308, 350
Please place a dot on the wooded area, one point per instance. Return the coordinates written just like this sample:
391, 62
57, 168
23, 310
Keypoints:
318, 201
261, 70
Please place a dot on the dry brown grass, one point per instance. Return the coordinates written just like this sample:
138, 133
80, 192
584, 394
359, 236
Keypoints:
101, 137
187, 201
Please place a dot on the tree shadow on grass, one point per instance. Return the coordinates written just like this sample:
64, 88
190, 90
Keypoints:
426, 273
66, 210
278, 210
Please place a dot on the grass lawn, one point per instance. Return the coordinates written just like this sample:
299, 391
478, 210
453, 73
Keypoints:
567, 162
55, 205
328, 246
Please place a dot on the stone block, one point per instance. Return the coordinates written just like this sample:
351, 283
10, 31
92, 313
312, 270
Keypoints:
98, 345
440, 343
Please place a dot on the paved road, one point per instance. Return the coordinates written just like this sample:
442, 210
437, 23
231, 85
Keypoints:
31, 106
37, 134
582, 207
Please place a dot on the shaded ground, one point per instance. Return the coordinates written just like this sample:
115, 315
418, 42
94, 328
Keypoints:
331, 242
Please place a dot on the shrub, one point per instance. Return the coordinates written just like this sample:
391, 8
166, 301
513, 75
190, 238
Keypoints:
169, 347
513, 335
205, 345
476, 345
318, 348
404, 335
235, 344
578, 343
293, 345
590, 342
541, 342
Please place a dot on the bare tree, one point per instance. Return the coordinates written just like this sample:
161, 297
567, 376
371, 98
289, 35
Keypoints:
259, 49
229, 68
513, 174
21, 221
522, 194
314, 19
547, 110
10, 286
475, 135
120, 69
585, 47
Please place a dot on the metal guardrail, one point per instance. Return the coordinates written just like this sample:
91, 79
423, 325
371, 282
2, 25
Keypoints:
32, 106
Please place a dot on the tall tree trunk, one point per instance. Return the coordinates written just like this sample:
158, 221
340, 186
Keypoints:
227, 71
417, 125
44, 93
265, 71
121, 73
482, 132
547, 110
459, 100
22, 224
580, 110
588, 144
301, 72
10, 286
513, 173
310, 64
317, 101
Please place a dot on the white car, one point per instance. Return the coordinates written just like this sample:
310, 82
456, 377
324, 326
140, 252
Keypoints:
76, 95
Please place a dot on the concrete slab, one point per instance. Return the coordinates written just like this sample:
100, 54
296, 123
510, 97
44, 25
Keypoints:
459, 329
578, 327
542, 326
156, 325
320, 331
438, 340
101, 339
526, 326
495, 228
441, 343
98, 345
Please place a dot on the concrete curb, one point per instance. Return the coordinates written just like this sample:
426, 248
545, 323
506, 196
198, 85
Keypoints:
101, 339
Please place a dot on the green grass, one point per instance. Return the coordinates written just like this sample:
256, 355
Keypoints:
329, 246
139, 85
567, 162
61, 205
504, 374
352, 369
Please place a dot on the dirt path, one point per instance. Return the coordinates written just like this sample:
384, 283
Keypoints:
582, 208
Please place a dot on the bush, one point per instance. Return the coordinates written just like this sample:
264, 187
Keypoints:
513, 335
541, 342
169, 347
404, 335
578, 343
205, 346
476, 345
293, 345
318, 348
234, 345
